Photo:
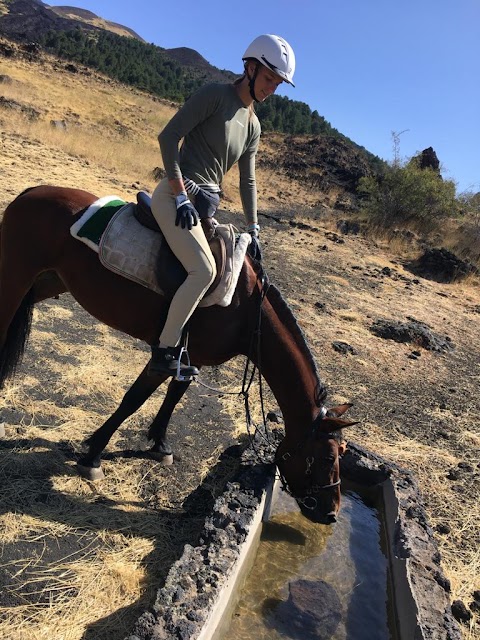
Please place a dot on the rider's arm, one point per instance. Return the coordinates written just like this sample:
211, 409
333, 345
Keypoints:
195, 110
248, 183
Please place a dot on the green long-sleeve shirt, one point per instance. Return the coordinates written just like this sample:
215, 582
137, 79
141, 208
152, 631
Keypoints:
218, 130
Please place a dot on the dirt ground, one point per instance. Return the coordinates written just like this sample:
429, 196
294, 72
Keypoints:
81, 560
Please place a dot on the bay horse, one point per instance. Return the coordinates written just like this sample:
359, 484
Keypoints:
40, 259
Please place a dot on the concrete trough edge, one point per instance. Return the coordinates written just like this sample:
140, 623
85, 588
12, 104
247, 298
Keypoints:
202, 588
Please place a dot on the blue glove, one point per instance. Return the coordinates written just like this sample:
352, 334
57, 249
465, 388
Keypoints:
187, 215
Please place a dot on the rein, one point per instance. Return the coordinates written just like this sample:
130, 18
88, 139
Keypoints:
308, 501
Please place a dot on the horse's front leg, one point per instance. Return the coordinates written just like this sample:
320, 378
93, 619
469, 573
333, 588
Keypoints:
89, 465
161, 449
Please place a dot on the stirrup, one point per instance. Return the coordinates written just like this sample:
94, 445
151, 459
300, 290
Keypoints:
169, 361
185, 372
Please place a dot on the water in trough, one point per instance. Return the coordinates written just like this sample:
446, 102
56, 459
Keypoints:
313, 582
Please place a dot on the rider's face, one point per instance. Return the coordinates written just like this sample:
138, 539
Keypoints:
266, 83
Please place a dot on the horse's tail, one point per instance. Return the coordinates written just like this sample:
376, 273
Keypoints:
16, 339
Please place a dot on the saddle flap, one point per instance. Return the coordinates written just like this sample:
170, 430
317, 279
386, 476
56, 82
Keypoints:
143, 211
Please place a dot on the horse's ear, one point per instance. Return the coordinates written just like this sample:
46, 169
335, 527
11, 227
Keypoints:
335, 424
336, 412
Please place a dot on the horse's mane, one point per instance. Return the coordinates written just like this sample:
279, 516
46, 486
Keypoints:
286, 315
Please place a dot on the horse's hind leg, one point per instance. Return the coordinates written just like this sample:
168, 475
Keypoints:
89, 465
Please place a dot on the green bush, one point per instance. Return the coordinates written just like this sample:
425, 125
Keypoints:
408, 195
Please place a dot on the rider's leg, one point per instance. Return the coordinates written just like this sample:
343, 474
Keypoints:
191, 248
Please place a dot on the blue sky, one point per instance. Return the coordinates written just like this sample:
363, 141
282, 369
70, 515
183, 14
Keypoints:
369, 67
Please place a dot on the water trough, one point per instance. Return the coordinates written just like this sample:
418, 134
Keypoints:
201, 595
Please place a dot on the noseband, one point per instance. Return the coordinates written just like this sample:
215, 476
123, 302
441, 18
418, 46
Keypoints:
309, 501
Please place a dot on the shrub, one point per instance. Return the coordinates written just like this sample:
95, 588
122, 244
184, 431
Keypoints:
408, 195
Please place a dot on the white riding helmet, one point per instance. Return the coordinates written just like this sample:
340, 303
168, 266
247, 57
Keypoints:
274, 53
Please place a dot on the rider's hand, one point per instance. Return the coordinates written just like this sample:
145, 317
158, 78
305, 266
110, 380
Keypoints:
255, 250
187, 215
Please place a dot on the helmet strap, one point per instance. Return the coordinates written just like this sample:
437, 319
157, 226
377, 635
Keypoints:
251, 81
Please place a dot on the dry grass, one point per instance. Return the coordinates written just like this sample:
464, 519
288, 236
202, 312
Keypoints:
114, 129
93, 554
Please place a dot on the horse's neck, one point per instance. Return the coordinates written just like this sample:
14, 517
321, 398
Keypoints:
287, 365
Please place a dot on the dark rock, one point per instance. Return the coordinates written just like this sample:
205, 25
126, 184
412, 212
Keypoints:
443, 528
334, 237
442, 265
4, 79
273, 416
414, 332
443, 581
313, 611
328, 161
158, 173
428, 159
474, 606
453, 474
344, 348
348, 227
27, 110
7, 51
460, 611
31, 47
465, 467
320, 305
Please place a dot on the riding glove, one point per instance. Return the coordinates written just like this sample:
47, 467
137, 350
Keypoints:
187, 215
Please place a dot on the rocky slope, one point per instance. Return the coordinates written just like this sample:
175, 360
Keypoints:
370, 321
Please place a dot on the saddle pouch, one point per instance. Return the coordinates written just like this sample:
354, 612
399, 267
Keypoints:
169, 270
206, 203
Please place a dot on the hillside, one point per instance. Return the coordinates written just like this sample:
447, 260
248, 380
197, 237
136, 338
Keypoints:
27, 19
83, 560
88, 17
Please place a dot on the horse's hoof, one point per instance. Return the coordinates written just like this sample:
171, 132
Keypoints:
2, 430
90, 473
163, 458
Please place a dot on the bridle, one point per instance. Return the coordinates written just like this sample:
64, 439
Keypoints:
309, 501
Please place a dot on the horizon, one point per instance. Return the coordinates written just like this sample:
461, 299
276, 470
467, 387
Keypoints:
408, 70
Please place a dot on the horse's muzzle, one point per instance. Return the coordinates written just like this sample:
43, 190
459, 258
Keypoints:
319, 518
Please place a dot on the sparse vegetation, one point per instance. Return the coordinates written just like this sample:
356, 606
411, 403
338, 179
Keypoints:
404, 195
408, 195
116, 540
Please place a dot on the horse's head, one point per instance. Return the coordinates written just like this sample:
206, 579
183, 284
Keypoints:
310, 468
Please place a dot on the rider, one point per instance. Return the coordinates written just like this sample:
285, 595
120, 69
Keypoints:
219, 127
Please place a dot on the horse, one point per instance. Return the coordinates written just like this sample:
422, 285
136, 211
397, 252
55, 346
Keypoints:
40, 259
